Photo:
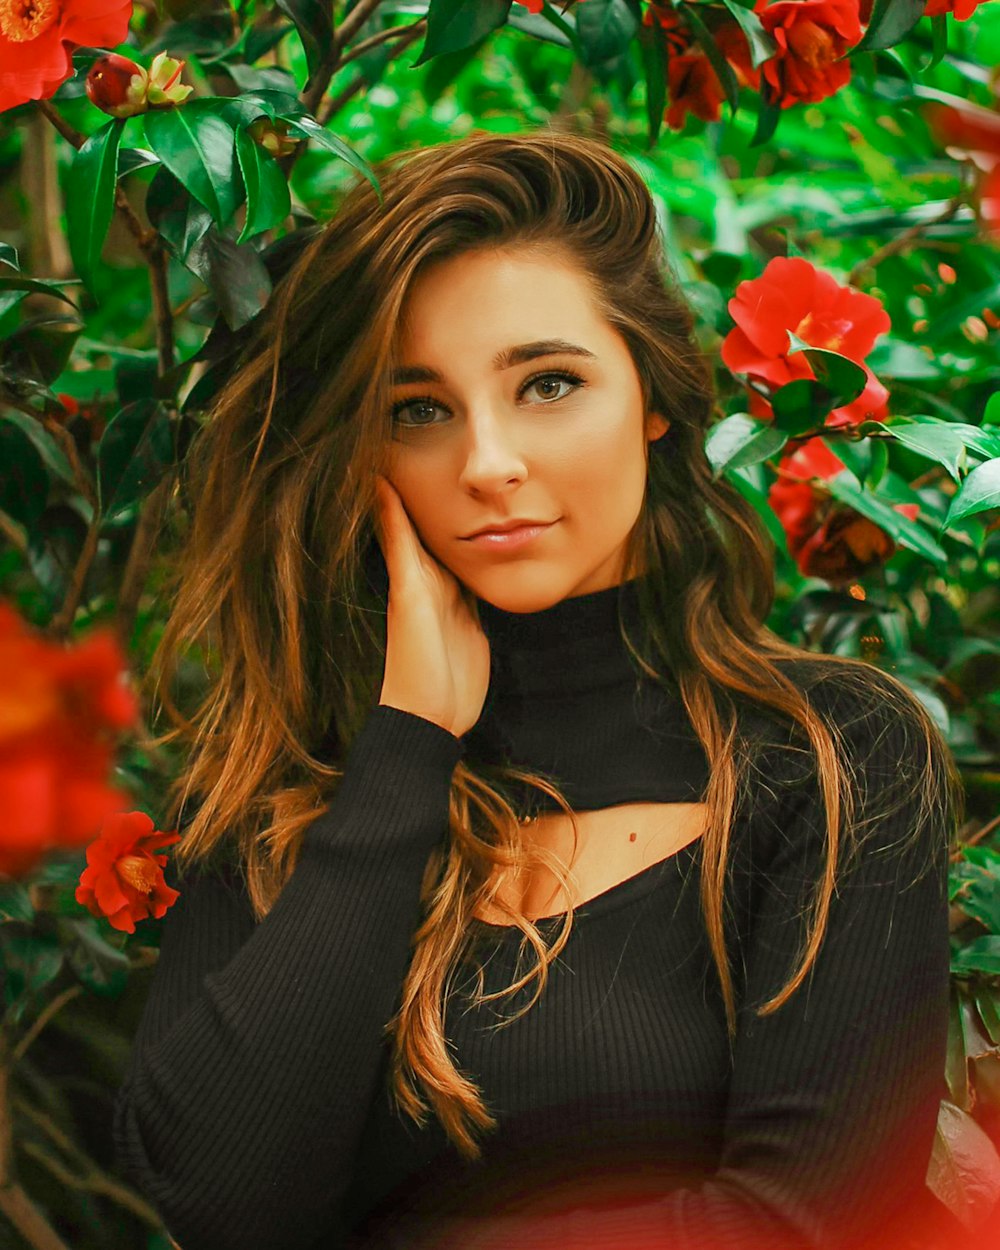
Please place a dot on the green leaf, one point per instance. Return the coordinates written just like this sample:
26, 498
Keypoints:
235, 275
900, 528
801, 405
740, 440
605, 29
982, 954
979, 491
15, 902
311, 129
653, 44
455, 24
31, 961
941, 441
90, 197
956, 1065
24, 484
768, 115
41, 286
51, 453
549, 25
101, 968
964, 1170
978, 894
895, 358
844, 377
314, 21
135, 450
989, 1011
723, 70
268, 198
8, 256
197, 145
891, 21
762, 45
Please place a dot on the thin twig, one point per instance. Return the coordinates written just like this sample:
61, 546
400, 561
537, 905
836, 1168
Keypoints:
13, 533
93, 1178
56, 1005
60, 624
393, 32
354, 20
147, 533
337, 102
903, 241
977, 837
67, 442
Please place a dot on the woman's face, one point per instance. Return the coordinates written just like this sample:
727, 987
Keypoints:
517, 400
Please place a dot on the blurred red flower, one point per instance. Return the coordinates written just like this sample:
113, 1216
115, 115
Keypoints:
792, 294
812, 36
123, 880
973, 130
825, 538
60, 709
37, 38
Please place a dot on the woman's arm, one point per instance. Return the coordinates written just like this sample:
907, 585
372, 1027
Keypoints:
258, 1053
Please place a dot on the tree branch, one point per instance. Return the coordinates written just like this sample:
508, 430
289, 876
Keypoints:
337, 102
60, 624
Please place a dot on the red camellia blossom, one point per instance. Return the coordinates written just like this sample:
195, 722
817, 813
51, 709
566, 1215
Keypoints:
123, 880
792, 294
961, 10
60, 709
825, 538
811, 36
694, 86
37, 38
976, 131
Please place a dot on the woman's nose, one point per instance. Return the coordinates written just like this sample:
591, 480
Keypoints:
491, 455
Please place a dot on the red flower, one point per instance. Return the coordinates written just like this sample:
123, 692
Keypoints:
37, 38
976, 131
825, 538
60, 708
811, 36
792, 294
961, 10
123, 880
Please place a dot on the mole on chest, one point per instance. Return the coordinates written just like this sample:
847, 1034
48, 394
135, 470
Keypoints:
614, 844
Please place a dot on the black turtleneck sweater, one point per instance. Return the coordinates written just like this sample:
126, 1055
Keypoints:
256, 1113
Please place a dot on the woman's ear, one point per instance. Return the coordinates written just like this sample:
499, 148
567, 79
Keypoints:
656, 426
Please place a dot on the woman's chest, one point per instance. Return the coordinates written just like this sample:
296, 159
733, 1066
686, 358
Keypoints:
606, 847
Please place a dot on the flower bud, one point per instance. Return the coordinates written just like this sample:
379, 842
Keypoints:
117, 85
165, 88
272, 136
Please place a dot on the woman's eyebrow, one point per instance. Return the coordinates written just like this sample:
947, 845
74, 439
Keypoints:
502, 360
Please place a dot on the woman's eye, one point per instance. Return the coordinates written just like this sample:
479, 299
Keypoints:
549, 385
414, 405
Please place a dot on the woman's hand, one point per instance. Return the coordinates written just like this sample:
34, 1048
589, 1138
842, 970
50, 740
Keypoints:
437, 660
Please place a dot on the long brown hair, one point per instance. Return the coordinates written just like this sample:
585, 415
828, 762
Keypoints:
278, 591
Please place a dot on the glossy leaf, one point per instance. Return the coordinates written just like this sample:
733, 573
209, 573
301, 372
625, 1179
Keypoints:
235, 275
980, 955
723, 70
134, 451
900, 528
52, 455
455, 24
653, 44
15, 902
309, 128
198, 147
979, 491
24, 484
314, 21
740, 440
762, 45
890, 22
100, 967
964, 1171
605, 29
844, 377
268, 197
90, 197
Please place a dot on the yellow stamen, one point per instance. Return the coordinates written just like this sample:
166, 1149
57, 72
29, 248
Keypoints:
139, 871
24, 20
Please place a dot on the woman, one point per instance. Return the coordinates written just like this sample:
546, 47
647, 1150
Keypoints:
377, 1020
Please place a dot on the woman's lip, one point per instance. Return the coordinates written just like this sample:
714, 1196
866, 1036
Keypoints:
510, 538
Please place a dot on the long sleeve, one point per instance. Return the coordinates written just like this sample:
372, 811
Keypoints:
833, 1099
259, 1051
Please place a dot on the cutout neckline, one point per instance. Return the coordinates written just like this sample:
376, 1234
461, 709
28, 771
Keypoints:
622, 892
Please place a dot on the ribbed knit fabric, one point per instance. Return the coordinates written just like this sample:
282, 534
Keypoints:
256, 1112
